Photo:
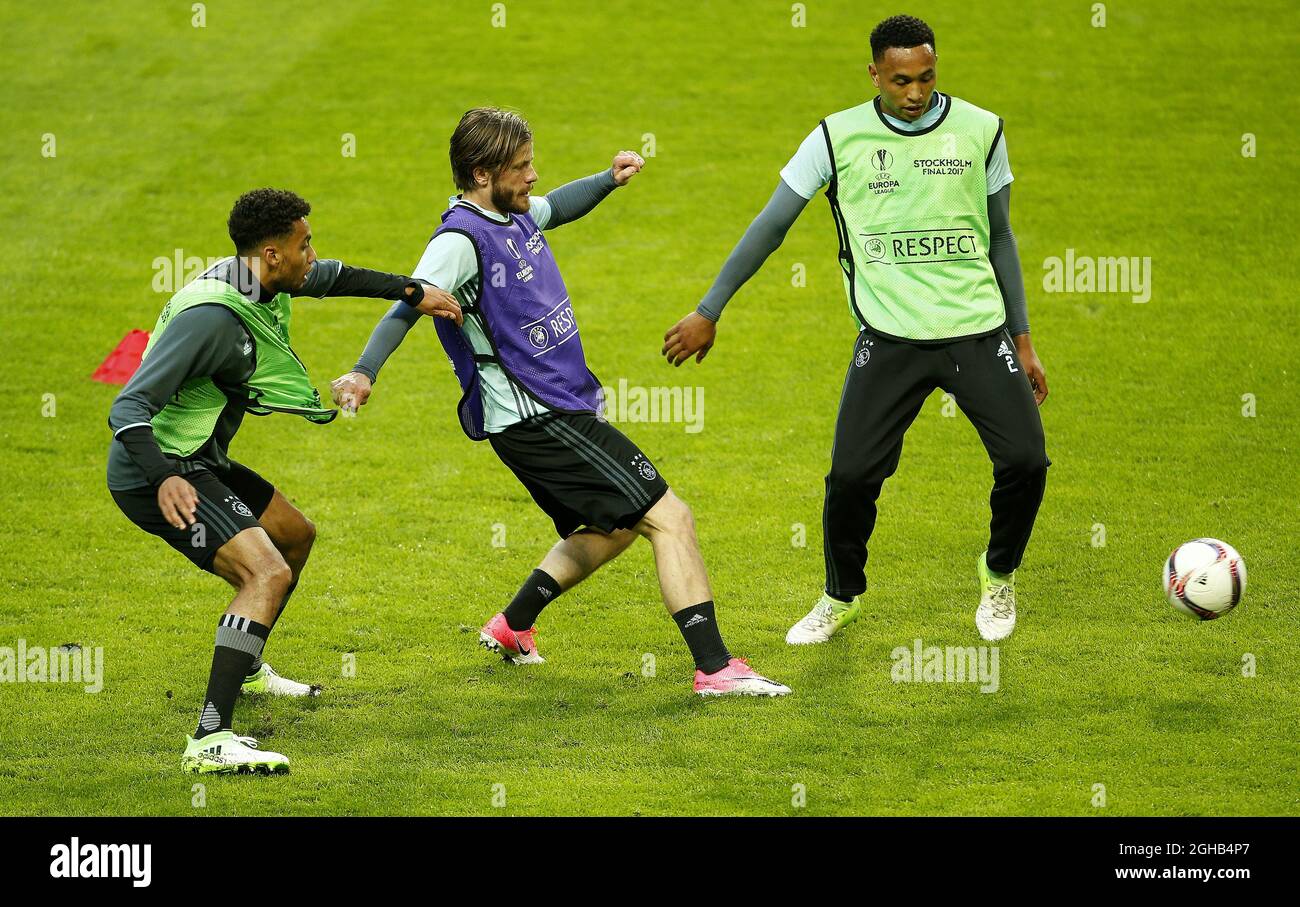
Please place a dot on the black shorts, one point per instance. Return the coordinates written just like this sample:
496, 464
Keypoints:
581, 470
230, 501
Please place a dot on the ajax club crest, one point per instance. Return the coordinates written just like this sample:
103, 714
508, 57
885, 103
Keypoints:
863, 355
644, 467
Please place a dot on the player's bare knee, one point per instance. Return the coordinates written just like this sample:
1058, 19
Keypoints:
295, 544
659, 519
306, 536
272, 573
685, 518
673, 516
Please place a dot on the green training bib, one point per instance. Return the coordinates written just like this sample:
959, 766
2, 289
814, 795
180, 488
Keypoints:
911, 213
279, 383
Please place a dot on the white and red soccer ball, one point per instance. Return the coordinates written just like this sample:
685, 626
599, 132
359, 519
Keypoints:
1205, 578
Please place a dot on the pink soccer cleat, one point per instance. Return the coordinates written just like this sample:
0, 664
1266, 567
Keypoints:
518, 646
737, 679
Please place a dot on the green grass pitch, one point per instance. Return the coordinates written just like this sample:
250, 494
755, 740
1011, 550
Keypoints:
1125, 140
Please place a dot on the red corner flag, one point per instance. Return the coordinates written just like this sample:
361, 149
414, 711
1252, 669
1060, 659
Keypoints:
123, 361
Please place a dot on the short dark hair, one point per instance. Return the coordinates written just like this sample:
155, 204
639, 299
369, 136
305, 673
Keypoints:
263, 214
486, 137
900, 31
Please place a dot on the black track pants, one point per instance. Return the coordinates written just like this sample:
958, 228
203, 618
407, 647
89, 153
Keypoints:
887, 383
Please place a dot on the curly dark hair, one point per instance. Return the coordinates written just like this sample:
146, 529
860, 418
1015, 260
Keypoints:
264, 214
900, 31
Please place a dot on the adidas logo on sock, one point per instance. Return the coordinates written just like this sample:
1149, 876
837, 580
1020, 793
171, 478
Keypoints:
546, 593
697, 619
210, 720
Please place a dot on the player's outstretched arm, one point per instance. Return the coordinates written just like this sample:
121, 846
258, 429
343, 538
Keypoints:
694, 334
449, 261
1005, 258
573, 200
351, 391
331, 277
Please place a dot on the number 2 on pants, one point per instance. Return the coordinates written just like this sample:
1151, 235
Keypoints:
1004, 350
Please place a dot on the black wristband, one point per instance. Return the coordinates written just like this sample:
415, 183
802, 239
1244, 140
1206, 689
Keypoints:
158, 478
413, 299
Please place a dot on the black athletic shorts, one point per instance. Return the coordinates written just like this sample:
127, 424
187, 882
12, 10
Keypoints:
581, 470
230, 501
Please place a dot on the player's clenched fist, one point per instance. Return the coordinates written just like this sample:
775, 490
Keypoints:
626, 165
177, 500
350, 391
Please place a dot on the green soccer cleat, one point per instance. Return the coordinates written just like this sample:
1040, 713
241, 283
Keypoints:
225, 753
826, 619
272, 684
995, 617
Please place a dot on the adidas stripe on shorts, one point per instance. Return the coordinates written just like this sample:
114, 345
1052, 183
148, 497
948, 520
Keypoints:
581, 471
230, 501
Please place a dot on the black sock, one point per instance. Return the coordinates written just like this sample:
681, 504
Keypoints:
239, 641
840, 598
699, 628
257, 659
535, 594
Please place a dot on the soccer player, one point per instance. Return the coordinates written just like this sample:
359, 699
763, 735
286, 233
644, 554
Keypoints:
920, 192
528, 391
221, 349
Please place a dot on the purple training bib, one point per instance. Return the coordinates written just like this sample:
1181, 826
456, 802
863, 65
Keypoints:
529, 319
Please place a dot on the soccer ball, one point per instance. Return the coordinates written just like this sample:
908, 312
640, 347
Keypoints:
1205, 578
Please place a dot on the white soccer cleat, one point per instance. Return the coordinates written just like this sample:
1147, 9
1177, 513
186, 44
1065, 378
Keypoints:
225, 753
272, 684
995, 617
826, 619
